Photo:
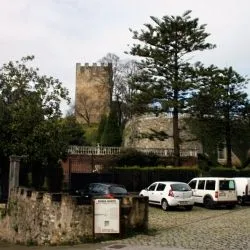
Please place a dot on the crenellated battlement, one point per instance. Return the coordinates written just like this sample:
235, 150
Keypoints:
93, 65
51, 199
101, 68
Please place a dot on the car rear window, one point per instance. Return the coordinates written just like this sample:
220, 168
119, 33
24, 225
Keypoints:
117, 190
227, 185
180, 187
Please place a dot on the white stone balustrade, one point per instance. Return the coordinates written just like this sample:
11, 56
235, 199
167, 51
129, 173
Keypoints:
101, 150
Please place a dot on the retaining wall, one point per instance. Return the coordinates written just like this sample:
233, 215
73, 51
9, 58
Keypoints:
39, 218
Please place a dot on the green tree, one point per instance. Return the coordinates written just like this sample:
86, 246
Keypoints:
165, 72
101, 128
111, 135
30, 114
220, 105
73, 131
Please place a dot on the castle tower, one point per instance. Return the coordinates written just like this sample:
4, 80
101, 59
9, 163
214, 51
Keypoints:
93, 92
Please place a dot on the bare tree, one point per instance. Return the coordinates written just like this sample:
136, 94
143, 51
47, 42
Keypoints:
121, 91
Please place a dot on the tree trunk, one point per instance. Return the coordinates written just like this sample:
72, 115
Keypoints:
176, 135
228, 142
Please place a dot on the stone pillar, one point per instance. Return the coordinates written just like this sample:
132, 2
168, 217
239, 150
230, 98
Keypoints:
14, 172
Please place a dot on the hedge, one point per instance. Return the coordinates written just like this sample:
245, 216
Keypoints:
136, 178
229, 172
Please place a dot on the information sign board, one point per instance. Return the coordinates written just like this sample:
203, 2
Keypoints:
106, 216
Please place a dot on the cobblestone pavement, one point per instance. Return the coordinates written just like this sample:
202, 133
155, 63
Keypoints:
179, 229
197, 229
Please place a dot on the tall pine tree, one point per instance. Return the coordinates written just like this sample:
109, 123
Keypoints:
165, 71
220, 104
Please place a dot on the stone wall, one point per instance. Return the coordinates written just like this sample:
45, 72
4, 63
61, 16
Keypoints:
93, 92
34, 217
139, 133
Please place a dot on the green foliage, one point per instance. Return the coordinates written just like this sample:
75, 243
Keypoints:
241, 140
73, 131
30, 119
101, 128
55, 178
229, 172
165, 76
136, 178
218, 107
205, 163
111, 135
244, 172
132, 157
91, 134
223, 172
210, 134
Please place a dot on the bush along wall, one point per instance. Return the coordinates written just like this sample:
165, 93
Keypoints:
229, 172
223, 172
136, 178
244, 172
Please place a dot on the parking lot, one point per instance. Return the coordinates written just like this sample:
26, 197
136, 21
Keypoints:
197, 229
179, 229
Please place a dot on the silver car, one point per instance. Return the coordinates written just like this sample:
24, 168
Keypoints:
169, 194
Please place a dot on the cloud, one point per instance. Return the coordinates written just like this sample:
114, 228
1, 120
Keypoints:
63, 32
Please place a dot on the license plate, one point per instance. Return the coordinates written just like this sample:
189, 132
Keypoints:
183, 203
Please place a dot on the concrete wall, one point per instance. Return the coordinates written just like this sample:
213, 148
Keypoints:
34, 217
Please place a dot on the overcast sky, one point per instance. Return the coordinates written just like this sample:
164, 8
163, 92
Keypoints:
61, 33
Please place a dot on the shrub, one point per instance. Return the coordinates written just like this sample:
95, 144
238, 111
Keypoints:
136, 178
244, 172
223, 172
111, 135
204, 162
132, 157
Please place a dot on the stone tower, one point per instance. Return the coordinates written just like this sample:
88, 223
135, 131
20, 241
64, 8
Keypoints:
93, 92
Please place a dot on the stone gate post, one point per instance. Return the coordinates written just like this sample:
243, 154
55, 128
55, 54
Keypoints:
14, 172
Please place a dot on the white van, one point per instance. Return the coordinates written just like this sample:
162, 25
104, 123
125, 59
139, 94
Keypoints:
242, 189
214, 191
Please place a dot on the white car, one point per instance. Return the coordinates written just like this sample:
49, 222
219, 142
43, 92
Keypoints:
242, 189
214, 191
169, 194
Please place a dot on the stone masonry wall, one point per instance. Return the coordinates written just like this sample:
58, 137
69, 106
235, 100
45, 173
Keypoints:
93, 91
34, 217
138, 130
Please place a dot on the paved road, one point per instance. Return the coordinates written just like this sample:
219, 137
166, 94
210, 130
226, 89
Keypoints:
197, 229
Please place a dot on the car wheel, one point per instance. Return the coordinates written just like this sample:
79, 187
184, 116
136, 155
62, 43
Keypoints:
241, 200
189, 208
231, 206
208, 202
164, 205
